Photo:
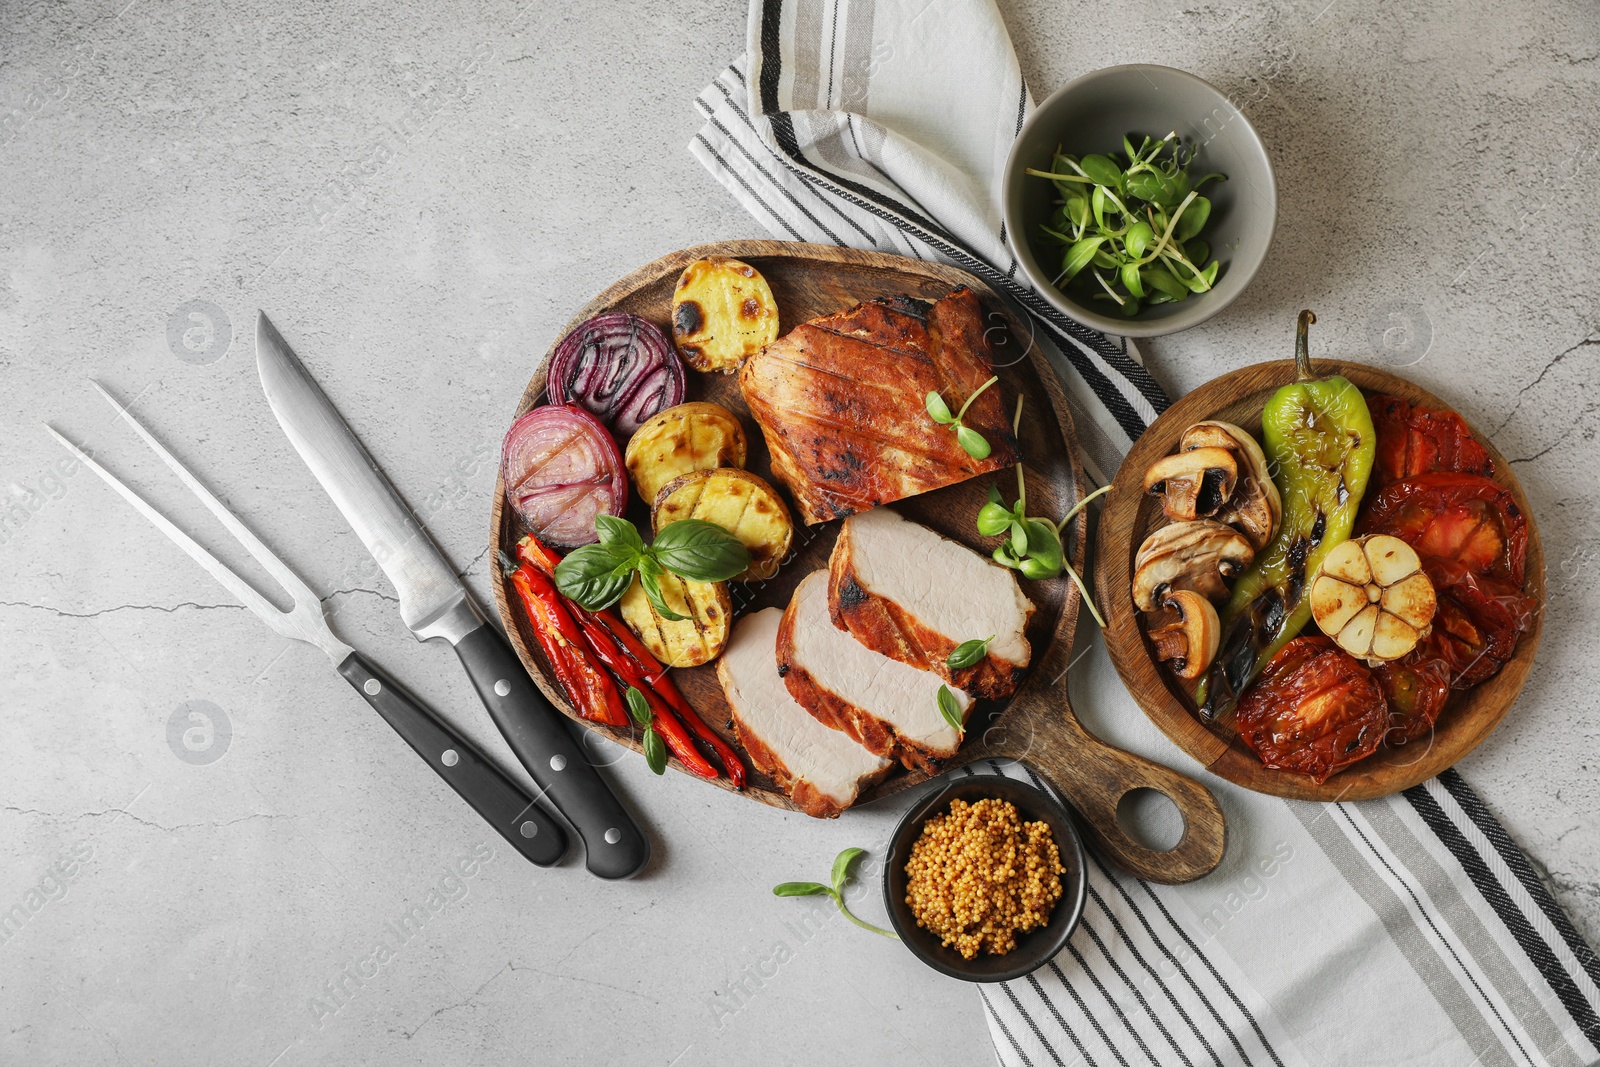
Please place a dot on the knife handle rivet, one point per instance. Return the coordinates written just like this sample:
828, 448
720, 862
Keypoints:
558, 763
372, 687
450, 758
528, 829
502, 687
613, 835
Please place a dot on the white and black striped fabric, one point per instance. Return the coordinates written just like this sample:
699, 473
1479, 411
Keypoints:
1409, 930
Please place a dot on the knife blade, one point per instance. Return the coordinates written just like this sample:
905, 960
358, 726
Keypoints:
434, 604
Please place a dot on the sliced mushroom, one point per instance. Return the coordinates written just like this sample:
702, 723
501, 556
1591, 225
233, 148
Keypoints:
1202, 555
1193, 484
1255, 507
1189, 644
1372, 597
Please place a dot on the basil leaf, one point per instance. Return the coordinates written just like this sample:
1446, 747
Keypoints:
638, 707
968, 653
658, 603
938, 409
972, 442
801, 889
596, 576
700, 551
841, 867
655, 751
950, 709
619, 533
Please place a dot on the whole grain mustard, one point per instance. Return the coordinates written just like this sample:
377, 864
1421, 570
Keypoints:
979, 876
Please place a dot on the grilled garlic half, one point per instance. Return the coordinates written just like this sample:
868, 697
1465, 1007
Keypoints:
1371, 596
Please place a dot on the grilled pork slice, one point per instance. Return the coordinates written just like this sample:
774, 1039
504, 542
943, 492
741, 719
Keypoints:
841, 403
910, 594
888, 706
822, 769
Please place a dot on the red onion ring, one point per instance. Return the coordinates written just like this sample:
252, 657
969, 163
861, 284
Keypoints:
618, 367
561, 469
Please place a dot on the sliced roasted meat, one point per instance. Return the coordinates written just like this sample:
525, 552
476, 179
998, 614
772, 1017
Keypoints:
822, 769
890, 707
841, 403
910, 594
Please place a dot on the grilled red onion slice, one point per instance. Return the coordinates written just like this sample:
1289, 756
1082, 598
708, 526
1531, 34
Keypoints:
619, 367
561, 469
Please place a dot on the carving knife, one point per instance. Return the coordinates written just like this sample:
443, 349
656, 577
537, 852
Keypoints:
435, 604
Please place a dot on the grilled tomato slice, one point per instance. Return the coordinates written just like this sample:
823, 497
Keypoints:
1413, 441
1315, 710
1465, 519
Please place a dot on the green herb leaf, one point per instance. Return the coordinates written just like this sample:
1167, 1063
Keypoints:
655, 751
938, 409
1131, 280
972, 442
1079, 255
700, 551
950, 709
1138, 238
841, 867
638, 707
658, 603
1019, 538
841, 874
615, 532
596, 576
1101, 170
1161, 279
1193, 220
968, 653
994, 518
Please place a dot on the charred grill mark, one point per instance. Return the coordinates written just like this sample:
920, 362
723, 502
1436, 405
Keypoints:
688, 319
783, 669
750, 308
851, 594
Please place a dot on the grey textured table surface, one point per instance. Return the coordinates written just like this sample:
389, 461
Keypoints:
422, 193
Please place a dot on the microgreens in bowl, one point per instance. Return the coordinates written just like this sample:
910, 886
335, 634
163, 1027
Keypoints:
1131, 228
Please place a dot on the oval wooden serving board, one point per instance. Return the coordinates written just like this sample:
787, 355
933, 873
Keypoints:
1036, 724
1132, 515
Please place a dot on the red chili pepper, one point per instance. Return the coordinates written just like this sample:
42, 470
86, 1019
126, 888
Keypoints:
591, 690
535, 554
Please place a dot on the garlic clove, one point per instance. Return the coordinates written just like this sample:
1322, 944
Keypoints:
1390, 558
1411, 599
1392, 637
1335, 602
1356, 635
1348, 563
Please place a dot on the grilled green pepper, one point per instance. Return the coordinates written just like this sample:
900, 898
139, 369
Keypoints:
1320, 444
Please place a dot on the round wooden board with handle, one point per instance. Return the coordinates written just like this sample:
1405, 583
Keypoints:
1036, 724
1132, 515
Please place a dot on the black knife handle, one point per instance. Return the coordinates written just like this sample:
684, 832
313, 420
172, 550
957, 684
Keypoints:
537, 733
504, 804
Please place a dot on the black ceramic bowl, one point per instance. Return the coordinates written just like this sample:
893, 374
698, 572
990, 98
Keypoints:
1035, 947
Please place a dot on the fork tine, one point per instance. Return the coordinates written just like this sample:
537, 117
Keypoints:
291, 582
217, 569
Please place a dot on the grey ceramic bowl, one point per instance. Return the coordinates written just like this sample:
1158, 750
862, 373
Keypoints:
1034, 948
1091, 114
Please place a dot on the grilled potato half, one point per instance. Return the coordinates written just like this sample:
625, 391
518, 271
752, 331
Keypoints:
739, 502
722, 312
682, 439
688, 642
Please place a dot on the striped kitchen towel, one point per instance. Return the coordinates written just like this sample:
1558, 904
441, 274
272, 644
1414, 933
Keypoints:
1409, 930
